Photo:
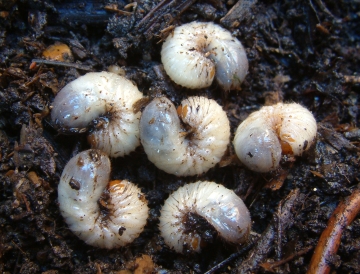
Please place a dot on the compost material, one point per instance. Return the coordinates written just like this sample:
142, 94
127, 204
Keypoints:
306, 52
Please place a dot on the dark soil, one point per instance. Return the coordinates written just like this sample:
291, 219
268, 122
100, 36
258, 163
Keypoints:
299, 51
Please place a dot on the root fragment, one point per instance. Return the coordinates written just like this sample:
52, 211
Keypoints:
329, 241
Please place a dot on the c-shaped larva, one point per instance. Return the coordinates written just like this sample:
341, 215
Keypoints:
108, 98
221, 207
101, 213
187, 148
283, 128
196, 52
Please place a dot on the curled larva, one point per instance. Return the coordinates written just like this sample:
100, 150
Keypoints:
101, 213
187, 148
196, 52
104, 99
220, 206
266, 134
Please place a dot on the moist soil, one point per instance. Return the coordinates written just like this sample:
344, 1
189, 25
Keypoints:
299, 51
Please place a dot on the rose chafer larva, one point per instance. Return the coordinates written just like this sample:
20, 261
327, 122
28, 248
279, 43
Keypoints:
106, 98
265, 135
188, 146
101, 213
197, 52
220, 206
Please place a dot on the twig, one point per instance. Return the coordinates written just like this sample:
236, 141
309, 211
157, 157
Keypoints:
18, 247
329, 241
229, 259
265, 243
282, 52
64, 64
151, 14
271, 266
314, 10
166, 11
325, 9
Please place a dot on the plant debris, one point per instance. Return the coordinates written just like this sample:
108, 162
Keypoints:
299, 51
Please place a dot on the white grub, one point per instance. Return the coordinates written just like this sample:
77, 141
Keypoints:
107, 98
220, 206
196, 52
84, 186
266, 134
187, 148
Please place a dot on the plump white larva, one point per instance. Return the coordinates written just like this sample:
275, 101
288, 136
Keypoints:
196, 52
220, 206
107, 97
187, 148
266, 134
101, 213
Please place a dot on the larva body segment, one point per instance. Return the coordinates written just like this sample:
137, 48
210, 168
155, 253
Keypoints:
298, 128
196, 52
221, 207
107, 97
256, 143
265, 135
84, 186
189, 147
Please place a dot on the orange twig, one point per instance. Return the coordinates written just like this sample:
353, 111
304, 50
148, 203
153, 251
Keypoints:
329, 240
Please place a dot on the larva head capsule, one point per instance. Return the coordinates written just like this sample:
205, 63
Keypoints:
265, 135
106, 98
197, 52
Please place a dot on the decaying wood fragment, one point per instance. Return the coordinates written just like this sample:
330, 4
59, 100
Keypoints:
141, 103
278, 180
329, 241
165, 12
354, 79
239, 12
114, 8
264, 245
335, 139
34, 178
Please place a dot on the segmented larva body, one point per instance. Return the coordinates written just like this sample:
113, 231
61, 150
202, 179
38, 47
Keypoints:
187, 148
266, 134
196, 52
107, 97
101, 213
221, 207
